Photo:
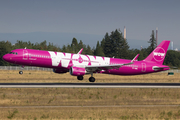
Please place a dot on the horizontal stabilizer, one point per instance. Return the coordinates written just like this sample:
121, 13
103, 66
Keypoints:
159, 68
174, 67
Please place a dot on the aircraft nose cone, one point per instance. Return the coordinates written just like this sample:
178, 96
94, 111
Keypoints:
6, 57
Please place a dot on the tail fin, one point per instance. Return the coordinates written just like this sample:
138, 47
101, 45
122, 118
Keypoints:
159, 53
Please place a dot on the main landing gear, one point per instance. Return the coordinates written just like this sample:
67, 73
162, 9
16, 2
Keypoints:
91, 79
80, 77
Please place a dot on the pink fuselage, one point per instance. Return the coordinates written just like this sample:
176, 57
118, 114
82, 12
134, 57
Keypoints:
64, 61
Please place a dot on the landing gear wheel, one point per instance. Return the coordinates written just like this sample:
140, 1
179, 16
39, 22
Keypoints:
20, 72
80, 77
91, 79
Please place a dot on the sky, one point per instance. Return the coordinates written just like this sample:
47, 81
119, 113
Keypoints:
58, 21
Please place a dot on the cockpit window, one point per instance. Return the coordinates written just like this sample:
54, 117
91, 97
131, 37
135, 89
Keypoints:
15, 53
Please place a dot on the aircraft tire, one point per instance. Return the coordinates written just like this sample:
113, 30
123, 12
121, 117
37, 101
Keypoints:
20, 72
91, 79
80, 77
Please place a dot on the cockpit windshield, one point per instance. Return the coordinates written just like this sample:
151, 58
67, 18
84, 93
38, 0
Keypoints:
15, 53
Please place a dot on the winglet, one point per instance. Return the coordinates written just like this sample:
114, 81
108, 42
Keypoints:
132, 61
135, 58
80, 51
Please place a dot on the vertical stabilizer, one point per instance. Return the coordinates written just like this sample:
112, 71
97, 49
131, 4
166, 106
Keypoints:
159, 53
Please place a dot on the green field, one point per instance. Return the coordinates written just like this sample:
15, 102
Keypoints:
88, 103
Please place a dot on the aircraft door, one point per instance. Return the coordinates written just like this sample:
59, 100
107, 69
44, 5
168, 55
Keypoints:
25, 55
143, 67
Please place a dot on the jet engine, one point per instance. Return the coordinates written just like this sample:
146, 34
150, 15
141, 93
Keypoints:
59, 71
77, 71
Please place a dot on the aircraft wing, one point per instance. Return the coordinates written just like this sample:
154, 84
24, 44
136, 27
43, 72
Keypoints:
107, 67
104, 67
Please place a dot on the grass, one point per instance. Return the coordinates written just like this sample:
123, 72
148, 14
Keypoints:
12, 114
44, 76
82, 97
92, 113
88, 97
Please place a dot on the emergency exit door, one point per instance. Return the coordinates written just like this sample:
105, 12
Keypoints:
143, 67
25, 55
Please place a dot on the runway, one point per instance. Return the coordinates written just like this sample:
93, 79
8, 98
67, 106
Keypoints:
89, 85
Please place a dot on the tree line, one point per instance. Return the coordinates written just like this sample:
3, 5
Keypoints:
112, 45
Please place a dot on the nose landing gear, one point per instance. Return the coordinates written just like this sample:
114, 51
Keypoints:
21, 72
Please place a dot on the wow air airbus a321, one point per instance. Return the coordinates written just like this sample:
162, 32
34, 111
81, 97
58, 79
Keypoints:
79, 65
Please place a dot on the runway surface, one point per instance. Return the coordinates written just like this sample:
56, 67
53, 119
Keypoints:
90, 85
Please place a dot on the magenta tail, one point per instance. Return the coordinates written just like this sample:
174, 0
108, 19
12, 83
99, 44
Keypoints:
159, 53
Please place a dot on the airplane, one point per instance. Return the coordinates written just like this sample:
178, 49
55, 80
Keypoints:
80, 65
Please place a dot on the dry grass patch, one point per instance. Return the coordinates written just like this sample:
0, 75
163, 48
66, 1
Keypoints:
44, 76
91, 113
88, 96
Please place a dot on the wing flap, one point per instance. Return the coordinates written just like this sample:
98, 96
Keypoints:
107, 67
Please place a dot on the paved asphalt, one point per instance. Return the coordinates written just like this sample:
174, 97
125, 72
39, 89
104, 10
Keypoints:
90, 85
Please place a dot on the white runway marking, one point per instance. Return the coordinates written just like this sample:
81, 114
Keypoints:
90, 85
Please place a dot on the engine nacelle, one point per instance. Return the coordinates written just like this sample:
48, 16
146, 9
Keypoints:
59, 71
77, 71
